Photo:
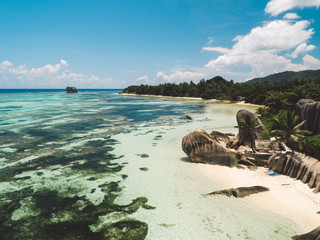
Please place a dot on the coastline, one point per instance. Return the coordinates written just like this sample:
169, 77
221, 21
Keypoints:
195, 99
287, 197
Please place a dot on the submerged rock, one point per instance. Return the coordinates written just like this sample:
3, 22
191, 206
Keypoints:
126, 229
313, 235
200, 147
309, 111
188, 117
299, 166
241, 191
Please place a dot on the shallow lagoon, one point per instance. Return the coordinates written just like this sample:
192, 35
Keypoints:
98, 165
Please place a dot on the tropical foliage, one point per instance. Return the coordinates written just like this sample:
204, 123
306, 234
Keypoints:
281, 95
278, 96
248, 129
287, 129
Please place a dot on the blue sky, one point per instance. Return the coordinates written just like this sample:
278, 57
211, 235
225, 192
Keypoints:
116, 43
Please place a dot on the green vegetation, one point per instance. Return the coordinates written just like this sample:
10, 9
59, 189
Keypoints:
311, 145
248, 128
287, 128
289, 76
278, 93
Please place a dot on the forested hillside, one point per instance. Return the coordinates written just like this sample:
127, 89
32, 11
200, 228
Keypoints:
280, 94
289, 76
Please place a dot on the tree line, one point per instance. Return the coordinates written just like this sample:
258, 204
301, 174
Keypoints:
278, 98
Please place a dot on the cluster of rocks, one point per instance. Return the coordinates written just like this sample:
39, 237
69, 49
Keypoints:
202, 147
299, 166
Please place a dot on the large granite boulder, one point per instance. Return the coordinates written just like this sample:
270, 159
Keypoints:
309, 111
313, 235
240, 192
200, 147
241, 115
299, 166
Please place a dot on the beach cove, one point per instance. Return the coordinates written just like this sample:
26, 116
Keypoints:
142, 138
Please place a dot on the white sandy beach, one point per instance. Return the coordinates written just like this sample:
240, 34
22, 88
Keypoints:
243, 103
288, 197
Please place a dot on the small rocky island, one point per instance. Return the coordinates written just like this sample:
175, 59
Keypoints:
71, 90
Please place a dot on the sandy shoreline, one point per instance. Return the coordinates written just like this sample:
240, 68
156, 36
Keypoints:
196, 99
287, 197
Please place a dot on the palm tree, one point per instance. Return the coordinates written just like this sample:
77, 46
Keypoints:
248, 129
287, 128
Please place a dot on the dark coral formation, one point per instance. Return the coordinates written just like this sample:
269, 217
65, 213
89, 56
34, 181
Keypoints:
299, 166
309, 111
78, 214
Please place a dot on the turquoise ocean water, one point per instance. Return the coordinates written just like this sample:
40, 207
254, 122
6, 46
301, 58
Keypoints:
64, 172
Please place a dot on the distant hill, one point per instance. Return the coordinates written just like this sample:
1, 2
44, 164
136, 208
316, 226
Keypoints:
289, 76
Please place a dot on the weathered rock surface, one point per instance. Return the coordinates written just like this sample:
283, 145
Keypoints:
200, 147
223, 137
299, 166
241, 115
241, 191
313, 235
309, 111
233, 143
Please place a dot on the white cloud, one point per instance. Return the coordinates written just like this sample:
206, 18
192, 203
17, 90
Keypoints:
4, 66
291, 16
144, 80
263, 47
301, 49
48, 76
210, 40
216, 49
275, 7
311, 62
179, 76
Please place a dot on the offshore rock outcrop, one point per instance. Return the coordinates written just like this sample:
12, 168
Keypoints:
241, 192
309, 111
241, 115
71, 90
200, 147
299, 166
313, 235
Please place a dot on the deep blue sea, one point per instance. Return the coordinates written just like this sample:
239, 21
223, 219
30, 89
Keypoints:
103, 165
